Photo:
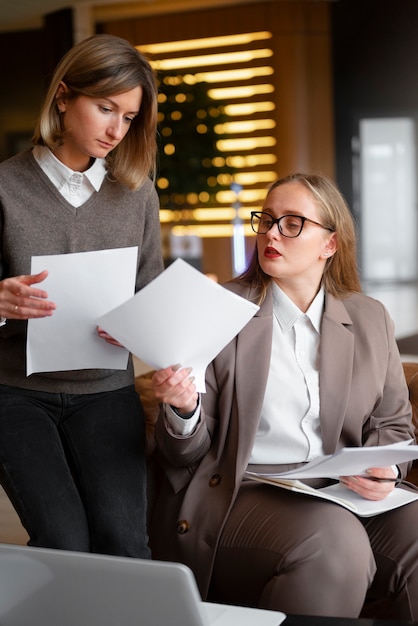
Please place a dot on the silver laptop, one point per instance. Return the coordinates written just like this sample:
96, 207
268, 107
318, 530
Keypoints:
42, 587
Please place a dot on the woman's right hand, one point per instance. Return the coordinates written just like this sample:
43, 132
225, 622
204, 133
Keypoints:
20, 301
174, 385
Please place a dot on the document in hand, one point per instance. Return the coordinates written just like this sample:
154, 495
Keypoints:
83, 286
180, 317
341, 495
352, 461
347, 462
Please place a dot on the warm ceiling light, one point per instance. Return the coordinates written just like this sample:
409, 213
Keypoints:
162, 183
249, 126
226, 214
249, 143
252, 160
254, 178
227, 65
167, 216
239, 92
209, 230
246, 196
243, 56
213, 214
208, 42
246, 73
248, 108
169, 149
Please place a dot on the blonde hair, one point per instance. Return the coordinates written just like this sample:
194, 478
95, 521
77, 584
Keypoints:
340, 275
100, 66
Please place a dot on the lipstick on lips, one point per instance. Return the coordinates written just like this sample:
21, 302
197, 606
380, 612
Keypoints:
271, 253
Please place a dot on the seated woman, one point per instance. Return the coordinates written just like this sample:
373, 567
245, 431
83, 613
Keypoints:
316, 369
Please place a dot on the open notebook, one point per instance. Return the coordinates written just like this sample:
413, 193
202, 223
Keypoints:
41, 587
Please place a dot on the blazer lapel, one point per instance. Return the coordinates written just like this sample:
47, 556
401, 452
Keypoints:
335, 374
254, 346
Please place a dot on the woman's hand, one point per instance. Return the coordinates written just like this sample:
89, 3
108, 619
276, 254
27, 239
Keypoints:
20, 301
108, 338
176, 387
376, 484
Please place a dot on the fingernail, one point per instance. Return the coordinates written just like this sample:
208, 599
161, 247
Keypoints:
176, 367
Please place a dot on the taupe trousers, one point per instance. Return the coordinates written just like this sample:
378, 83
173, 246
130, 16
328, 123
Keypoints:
293, 553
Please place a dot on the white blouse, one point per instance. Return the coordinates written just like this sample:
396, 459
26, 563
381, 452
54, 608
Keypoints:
289, 430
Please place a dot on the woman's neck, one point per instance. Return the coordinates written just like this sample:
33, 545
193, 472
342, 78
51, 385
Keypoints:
80, 164
301, 295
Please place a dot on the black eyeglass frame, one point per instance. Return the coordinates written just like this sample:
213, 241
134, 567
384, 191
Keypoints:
277, 220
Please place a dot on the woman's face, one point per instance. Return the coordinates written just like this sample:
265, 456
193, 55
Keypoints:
94, 126
300, 260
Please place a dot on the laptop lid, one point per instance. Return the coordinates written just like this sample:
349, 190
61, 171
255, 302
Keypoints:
44, 587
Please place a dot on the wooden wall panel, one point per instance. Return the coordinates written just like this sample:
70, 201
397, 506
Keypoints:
303, 89
301, 43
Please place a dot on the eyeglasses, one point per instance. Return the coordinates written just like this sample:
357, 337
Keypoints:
288, 225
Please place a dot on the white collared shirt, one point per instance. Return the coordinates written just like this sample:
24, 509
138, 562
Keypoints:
75, 187
289, 429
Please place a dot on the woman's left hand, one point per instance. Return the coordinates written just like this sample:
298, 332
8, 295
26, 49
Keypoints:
174, 385
104, 335
375, 484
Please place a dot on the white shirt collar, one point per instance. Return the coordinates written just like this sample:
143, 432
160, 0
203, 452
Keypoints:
287, 313
59, 174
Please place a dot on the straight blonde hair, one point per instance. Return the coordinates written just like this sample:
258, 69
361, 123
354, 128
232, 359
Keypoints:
101, 66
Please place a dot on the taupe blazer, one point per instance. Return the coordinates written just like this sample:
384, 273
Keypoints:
363, 401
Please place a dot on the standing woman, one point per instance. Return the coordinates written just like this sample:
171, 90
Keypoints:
316, 369
72, 449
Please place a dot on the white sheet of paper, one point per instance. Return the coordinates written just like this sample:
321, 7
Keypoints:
180, 317
353, 461
83, 285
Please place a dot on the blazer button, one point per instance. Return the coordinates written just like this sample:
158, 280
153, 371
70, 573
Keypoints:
183, 527
214, 480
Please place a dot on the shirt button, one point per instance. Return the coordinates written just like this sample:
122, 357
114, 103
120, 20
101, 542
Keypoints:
183, 527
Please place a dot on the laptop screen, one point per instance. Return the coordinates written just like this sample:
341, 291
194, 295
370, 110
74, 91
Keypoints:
42, 587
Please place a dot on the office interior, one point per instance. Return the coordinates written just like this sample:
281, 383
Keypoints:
345, 103
326, 86
341, 89
314, 85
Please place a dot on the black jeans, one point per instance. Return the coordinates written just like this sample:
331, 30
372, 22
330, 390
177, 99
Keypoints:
74, 468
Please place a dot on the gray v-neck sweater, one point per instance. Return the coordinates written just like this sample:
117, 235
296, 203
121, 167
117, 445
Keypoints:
35, 220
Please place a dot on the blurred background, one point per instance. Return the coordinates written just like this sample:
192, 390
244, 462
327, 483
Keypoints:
252, 90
